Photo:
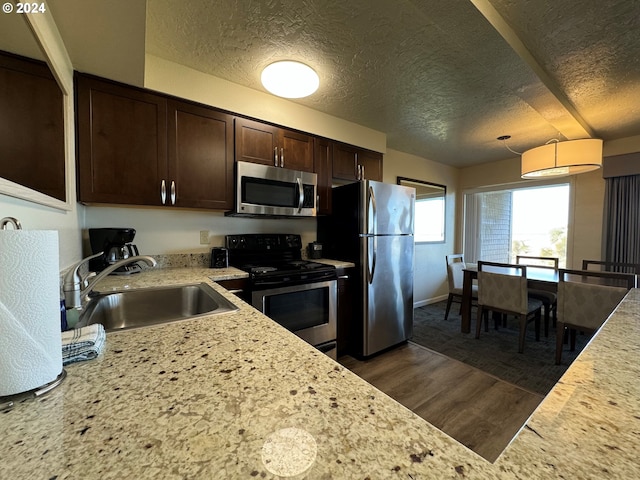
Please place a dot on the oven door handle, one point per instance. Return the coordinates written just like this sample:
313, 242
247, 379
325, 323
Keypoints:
300, 194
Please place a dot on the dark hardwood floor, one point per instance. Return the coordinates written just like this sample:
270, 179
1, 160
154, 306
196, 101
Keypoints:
478, 410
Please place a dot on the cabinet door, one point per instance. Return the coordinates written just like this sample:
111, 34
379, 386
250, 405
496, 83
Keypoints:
345, 162
296, 150
372, 164
256, 142
349, 160
322, 161
31, 126
122, 149
200, 158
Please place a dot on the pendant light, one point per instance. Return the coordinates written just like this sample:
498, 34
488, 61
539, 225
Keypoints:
558, 159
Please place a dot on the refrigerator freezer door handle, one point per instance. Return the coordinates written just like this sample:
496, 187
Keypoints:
374, 216
371, 264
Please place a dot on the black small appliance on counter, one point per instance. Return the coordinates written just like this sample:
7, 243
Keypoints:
115, 243
219, 257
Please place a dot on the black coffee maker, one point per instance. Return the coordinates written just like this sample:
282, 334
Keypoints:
115, 243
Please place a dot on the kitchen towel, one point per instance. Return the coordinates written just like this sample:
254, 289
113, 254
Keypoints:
30, 344
83, 343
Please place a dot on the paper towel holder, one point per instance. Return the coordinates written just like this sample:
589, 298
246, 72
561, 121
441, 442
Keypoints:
10, 220
36, 392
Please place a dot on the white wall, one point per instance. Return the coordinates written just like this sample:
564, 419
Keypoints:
430, 277
172, 230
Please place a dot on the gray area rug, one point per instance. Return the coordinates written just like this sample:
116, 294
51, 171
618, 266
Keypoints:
496, 351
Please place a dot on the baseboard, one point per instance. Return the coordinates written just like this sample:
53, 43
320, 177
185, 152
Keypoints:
429, 301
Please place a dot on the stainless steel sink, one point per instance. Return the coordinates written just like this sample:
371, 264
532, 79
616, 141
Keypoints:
143, 307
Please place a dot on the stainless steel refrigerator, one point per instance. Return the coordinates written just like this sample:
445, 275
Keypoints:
372, 226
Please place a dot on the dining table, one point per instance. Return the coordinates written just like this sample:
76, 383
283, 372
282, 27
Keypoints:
539, 278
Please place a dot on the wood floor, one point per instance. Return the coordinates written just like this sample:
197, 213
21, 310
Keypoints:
480, 411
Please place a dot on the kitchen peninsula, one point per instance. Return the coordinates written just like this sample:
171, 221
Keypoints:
199, 399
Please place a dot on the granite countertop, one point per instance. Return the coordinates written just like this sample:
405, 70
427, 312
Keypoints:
237, 396
335, 263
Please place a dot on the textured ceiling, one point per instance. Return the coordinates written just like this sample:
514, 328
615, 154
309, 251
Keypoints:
442, 79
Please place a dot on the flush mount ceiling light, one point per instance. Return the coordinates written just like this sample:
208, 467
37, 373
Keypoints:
557, 159
290, 79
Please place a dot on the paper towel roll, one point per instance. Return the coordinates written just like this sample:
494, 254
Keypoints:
30, 339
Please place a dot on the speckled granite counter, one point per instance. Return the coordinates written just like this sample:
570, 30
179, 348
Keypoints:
201, 399
335, 263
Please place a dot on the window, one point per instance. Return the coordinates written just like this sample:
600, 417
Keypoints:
430, 210
527, 221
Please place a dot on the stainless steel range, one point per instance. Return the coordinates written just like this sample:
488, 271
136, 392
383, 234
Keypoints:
300, 295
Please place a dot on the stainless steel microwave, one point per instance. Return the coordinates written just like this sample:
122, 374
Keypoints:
273, 191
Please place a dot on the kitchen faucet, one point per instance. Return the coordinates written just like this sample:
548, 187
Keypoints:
77, 289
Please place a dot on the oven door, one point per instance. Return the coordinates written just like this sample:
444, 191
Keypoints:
308, 310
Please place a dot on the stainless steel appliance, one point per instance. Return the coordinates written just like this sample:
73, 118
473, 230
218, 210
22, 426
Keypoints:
262, 190
372, 226
115, 245
298, 294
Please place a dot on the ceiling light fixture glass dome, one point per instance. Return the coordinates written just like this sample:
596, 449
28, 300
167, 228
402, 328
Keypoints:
290, 79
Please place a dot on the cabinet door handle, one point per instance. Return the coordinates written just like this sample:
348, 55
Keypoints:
361, 172
275, 156
163, 192
173, 192
282, 157
343, 277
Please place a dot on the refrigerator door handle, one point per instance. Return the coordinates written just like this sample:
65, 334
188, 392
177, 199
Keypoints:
371, 264
374, 215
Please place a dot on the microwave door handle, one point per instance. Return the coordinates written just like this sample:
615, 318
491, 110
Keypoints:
300, 194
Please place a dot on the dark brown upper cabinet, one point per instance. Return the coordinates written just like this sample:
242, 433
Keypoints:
322, 160
136, 147
353, 164
31, 126
200, 156
266, 144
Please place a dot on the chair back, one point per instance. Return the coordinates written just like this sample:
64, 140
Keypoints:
601, 266
455, 274
587, 298
503, 286
545, 262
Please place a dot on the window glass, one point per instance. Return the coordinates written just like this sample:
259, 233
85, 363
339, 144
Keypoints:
499, 225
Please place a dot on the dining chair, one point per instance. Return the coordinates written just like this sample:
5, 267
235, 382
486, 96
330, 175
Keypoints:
548, 298
502, 287
603, 266
586, 298
455, 277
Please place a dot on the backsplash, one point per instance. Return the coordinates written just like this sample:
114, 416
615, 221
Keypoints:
181, 260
